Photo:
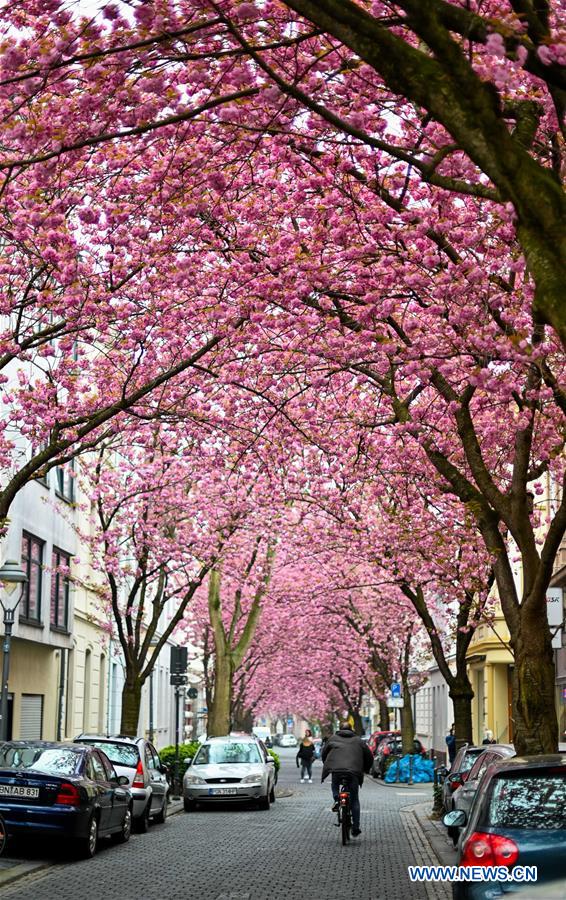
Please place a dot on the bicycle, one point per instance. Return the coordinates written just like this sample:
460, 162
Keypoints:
344, 810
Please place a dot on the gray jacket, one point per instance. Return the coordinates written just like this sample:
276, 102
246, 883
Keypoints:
346, 752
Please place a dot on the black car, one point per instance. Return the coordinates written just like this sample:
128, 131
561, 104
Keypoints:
518, 818
63, 790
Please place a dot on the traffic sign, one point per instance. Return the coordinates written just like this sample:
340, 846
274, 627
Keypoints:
395, 702
178, 680
192, 693
396, 689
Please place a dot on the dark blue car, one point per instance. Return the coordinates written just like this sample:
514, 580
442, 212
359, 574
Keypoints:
63, 790
518, 818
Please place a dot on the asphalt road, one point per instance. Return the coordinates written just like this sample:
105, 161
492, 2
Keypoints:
291, 852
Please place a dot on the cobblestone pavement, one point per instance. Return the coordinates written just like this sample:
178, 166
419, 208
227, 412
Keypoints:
289, 853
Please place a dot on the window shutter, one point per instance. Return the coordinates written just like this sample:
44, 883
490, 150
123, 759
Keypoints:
31, 717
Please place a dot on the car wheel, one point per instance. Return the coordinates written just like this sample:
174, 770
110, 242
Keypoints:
123, 836
264, 802
272, 794
162, 814
142, 823
86, 846
189, 805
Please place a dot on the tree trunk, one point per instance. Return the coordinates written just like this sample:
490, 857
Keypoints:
242, 718
407, 723
131, 702
461, 694
534, 684
358, 724
219, 712
384, 721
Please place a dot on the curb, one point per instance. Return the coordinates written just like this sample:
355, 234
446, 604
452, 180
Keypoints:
402, 784
14, 873
424, 851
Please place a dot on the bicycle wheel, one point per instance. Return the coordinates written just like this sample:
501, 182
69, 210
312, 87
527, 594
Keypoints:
346, 824
3, 835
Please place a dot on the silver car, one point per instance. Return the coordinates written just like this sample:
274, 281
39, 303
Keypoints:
229, 768
139, 761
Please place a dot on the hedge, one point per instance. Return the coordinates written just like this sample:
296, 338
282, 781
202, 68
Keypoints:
186, 751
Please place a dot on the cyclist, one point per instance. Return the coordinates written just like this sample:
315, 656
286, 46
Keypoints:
346, 754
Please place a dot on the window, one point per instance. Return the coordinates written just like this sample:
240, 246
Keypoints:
98, 768
119, 754
31, 717
32, 564
533, 800
223, 754
60, 589
65, 481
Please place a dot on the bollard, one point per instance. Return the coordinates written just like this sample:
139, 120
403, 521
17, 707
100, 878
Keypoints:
411, 758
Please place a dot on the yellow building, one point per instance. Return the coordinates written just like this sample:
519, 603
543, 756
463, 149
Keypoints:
490, 668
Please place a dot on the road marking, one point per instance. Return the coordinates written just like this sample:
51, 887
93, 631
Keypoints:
413, 794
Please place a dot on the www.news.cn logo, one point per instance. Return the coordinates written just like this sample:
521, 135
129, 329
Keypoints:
472, 873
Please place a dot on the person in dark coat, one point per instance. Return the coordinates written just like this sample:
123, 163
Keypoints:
346, 754
451, 745
305, 757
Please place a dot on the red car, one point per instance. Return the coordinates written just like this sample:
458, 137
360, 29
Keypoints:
379, 736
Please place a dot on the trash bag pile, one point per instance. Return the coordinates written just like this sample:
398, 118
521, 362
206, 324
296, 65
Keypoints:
400, 769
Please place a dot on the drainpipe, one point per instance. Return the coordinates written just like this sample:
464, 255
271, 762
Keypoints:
61, 694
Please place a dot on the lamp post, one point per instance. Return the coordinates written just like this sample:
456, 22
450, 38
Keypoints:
11, 577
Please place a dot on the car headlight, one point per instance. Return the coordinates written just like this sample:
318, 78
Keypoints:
251, 779
194, 779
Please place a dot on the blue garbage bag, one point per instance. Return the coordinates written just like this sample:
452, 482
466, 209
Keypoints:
400, 770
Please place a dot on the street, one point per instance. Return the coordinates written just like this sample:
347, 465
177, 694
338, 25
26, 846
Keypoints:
293, 851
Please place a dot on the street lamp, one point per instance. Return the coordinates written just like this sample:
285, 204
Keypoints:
12, 578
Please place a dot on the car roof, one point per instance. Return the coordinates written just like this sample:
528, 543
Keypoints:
541, 761
124, 739
68, 745
233, 738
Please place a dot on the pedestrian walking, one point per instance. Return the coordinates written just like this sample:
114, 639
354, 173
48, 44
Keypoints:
451, 744
305, 757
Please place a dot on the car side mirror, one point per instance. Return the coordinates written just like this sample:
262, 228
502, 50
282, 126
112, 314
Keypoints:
455, 780
188, 761
455, 819
270, 760
123, 780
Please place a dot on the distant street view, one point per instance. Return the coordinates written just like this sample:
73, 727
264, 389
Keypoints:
282, 449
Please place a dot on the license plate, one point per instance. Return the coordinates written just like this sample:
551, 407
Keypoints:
222, 791
14, 790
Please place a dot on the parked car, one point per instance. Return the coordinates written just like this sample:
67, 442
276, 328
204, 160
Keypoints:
377, 737
458, 772
464, 795
391, 746
139, 761
229, 768
288, 740
63, 790
517, 818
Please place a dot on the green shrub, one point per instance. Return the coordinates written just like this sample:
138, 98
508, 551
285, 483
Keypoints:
186, 751
277, 760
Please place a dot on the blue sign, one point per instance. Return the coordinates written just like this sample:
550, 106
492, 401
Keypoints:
289, 723
396, 689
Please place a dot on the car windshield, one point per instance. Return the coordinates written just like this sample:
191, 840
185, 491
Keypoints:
529, 801
118, 754
51, 760
227, 753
